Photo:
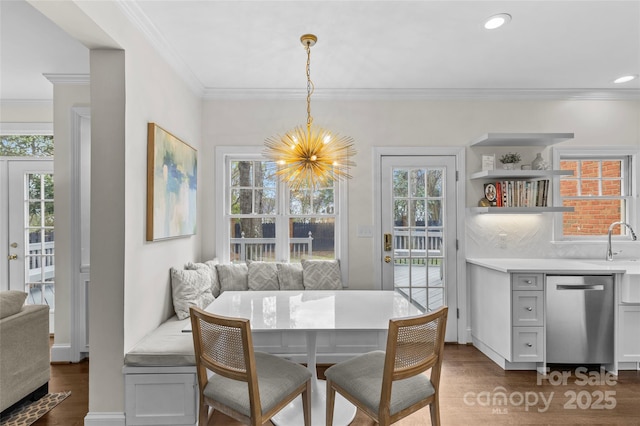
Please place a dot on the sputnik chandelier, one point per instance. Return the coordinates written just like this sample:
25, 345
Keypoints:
310, 157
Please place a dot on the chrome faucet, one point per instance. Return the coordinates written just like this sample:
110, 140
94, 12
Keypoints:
633, 237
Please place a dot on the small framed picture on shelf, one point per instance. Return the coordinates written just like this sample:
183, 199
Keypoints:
490, 193
488, 162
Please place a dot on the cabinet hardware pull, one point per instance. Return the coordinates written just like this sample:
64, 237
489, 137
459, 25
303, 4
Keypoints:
529, 308
527, 281
529, 345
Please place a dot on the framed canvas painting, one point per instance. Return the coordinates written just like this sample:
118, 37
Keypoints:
172, 170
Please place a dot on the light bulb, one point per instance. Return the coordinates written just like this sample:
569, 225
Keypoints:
496, 21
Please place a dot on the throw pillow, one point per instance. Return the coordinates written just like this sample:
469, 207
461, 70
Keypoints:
11, 302
290, 276
233, 277
190, 287
321, 275
209, 265
263, 276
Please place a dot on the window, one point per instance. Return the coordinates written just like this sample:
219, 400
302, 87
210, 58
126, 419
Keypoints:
264, 220
600, 191
26, 145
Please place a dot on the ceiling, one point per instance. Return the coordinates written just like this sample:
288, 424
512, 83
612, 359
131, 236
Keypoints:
227, 48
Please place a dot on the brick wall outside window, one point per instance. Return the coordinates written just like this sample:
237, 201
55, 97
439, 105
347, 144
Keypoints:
595, 181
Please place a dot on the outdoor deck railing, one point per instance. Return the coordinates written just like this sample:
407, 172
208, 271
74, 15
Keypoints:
263, 249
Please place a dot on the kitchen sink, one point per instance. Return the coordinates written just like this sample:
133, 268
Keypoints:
631, 266
630, 283
630, 288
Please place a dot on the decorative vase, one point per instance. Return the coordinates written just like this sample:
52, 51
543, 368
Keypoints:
538, 162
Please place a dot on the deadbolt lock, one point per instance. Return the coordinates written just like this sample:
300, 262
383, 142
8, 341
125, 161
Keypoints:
12, 257
387, 259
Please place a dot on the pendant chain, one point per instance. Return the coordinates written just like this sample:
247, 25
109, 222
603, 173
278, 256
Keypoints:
310, 87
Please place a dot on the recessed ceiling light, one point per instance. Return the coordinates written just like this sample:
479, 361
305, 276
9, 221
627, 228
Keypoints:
496, 21
624, 79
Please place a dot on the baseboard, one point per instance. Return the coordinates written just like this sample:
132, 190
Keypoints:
61, 352
104, 419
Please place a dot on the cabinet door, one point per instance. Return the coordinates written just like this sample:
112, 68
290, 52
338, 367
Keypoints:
528, 344
629, 338
527, 308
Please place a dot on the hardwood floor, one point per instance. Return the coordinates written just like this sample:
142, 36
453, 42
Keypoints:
471, 388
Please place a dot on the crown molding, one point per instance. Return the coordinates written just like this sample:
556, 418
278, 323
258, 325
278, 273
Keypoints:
425, 94
139, 19
68, 78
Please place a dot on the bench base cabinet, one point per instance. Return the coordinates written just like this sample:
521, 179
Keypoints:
161, 395
169, 395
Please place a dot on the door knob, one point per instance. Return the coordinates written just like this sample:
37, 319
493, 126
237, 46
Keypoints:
12, 257
387, 259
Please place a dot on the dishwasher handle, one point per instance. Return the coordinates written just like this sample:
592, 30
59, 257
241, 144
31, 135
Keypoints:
580, 287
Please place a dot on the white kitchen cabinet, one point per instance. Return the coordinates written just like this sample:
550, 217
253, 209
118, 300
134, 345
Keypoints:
507, 316
629, 333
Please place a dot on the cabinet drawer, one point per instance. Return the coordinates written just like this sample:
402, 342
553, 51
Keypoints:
527, 282
528, 344
527, 308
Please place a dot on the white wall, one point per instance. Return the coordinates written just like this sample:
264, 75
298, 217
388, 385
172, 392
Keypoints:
421, 123
130, 291
65, 97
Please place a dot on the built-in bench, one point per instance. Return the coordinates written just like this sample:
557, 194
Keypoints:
160, 375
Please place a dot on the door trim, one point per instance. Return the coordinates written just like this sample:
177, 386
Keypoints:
459, 154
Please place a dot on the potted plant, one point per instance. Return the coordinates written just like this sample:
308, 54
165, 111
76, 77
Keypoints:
509, 160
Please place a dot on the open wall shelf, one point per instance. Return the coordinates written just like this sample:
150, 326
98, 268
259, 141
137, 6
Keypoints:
521, 139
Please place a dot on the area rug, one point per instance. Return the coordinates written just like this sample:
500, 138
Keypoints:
28, 413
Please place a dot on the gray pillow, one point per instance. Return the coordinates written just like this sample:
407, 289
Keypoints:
233, 277
190, 288
209, 265
11, 302
290, 276
321, 275
263, 276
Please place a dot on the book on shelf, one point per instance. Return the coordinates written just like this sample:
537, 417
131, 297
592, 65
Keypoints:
518, 193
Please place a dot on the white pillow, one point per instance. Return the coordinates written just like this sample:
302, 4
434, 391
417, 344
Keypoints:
233, 277
190, 288
209, 265
321, 275
290, 276
11, 302
263, 276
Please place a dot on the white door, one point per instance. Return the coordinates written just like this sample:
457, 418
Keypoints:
418, 220
31, 231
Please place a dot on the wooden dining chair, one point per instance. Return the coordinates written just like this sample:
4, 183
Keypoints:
388, 386
248, 386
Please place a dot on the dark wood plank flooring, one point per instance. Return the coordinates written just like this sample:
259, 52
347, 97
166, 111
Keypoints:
470, 391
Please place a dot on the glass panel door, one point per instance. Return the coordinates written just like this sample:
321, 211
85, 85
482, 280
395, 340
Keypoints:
419, 222
31, 231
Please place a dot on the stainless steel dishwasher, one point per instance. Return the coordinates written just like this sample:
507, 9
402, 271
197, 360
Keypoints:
579, 322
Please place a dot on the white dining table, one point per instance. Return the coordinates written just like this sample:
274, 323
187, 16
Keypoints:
312, 311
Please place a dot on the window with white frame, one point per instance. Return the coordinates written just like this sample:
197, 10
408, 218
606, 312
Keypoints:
600, 191
263, 219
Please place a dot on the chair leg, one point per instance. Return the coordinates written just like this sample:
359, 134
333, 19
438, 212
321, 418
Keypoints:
203, 415
331, 399
434, 408
306, 404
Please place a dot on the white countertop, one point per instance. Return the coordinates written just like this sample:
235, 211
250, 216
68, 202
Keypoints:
559, 266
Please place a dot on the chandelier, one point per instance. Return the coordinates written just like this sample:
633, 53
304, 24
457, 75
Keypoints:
311, 156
